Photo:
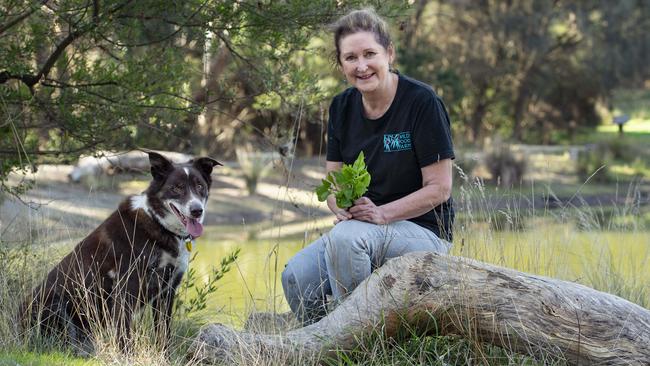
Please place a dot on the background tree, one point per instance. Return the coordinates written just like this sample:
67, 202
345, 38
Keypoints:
198, 76
84, 76
531, 70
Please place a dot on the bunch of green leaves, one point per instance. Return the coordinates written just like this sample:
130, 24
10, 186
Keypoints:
348, 185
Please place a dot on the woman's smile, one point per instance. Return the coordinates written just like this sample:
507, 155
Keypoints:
365, 62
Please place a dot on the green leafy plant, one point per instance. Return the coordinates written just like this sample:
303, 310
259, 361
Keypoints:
185, 303
348, 185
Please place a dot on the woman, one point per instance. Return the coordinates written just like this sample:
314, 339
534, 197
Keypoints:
403, 129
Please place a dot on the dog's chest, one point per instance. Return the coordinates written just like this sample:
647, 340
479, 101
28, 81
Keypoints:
179, 262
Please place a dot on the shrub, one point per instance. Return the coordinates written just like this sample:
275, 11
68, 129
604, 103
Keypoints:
592, 163
505, 167
620, 148
464, 168
254, 166
186, 304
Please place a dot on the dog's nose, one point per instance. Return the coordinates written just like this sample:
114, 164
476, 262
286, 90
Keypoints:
196, 210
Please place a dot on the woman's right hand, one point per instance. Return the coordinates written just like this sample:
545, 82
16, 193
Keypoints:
341, 214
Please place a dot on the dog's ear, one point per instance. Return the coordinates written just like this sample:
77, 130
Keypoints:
160, 166
205, 165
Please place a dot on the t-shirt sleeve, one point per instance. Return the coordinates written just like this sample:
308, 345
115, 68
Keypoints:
432, 133
333, 133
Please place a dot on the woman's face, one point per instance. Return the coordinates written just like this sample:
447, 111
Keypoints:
365, 62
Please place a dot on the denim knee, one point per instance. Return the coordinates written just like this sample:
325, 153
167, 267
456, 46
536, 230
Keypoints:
289, 284
305, 295
345, 238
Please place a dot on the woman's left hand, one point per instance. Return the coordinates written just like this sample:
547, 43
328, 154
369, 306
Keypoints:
366, 210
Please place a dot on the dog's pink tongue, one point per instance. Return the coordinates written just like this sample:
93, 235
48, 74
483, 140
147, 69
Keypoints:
194, 228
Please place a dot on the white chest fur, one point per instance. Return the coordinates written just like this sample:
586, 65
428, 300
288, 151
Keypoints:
183, 260
180, 263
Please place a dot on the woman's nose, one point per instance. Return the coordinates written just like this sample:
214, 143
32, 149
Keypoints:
362, 66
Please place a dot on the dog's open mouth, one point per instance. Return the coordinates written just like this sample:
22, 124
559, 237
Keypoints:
192, 226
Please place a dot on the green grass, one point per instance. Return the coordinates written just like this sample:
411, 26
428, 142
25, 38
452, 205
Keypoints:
31, 358
413, 349
634, 127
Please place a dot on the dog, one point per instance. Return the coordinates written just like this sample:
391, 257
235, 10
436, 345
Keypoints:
137, 256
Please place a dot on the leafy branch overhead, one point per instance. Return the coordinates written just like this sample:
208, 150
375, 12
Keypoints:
348, 185
89, 76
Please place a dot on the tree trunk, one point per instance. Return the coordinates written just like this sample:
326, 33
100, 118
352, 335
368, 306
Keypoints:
411, 30
528, 314
480, 109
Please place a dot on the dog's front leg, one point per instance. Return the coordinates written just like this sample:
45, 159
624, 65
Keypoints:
123, 316
163, 307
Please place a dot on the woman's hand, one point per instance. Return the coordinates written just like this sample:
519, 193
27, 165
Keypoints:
341, 214
366, 210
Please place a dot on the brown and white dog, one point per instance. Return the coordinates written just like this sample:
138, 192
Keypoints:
136, 257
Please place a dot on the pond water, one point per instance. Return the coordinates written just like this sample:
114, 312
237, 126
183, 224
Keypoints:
614, 262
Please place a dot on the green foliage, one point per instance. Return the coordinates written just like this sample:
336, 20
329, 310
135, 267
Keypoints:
594, 163
633, 102
525, 70
505, 166
86, 76
254, 165
187, 303
348, 185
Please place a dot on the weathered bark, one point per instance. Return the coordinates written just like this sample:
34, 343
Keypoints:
523, 313
109, 162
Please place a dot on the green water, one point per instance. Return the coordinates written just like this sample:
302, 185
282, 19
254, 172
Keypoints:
614, 262
253, 283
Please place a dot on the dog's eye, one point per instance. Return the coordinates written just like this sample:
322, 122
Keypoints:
199, 187
177, 189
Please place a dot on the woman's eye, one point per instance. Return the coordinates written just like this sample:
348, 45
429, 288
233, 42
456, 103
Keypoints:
371, 54
350, 58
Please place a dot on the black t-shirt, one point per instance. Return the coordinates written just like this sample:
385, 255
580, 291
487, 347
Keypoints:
413, 133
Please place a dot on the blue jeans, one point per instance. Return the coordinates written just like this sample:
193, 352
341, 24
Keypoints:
340, 260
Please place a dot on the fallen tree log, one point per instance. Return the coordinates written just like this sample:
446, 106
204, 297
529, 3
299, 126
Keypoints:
523, 313
107, 163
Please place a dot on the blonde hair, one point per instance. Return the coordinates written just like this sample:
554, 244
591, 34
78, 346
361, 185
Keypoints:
362, 20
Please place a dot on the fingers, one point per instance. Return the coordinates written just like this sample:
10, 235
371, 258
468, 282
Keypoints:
368, 213
342, 215
359, 209
363, 201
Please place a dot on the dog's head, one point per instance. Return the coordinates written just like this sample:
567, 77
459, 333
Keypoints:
178, 193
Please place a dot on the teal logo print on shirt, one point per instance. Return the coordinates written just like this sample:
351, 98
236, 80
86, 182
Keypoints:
397, 142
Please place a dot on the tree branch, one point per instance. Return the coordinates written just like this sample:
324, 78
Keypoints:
47, 66
29, 79
20, 18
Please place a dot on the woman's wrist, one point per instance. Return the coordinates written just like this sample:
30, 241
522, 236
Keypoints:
331, 203
384, 215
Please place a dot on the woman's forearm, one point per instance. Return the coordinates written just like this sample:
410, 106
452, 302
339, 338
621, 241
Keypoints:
436, 189
415, 204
